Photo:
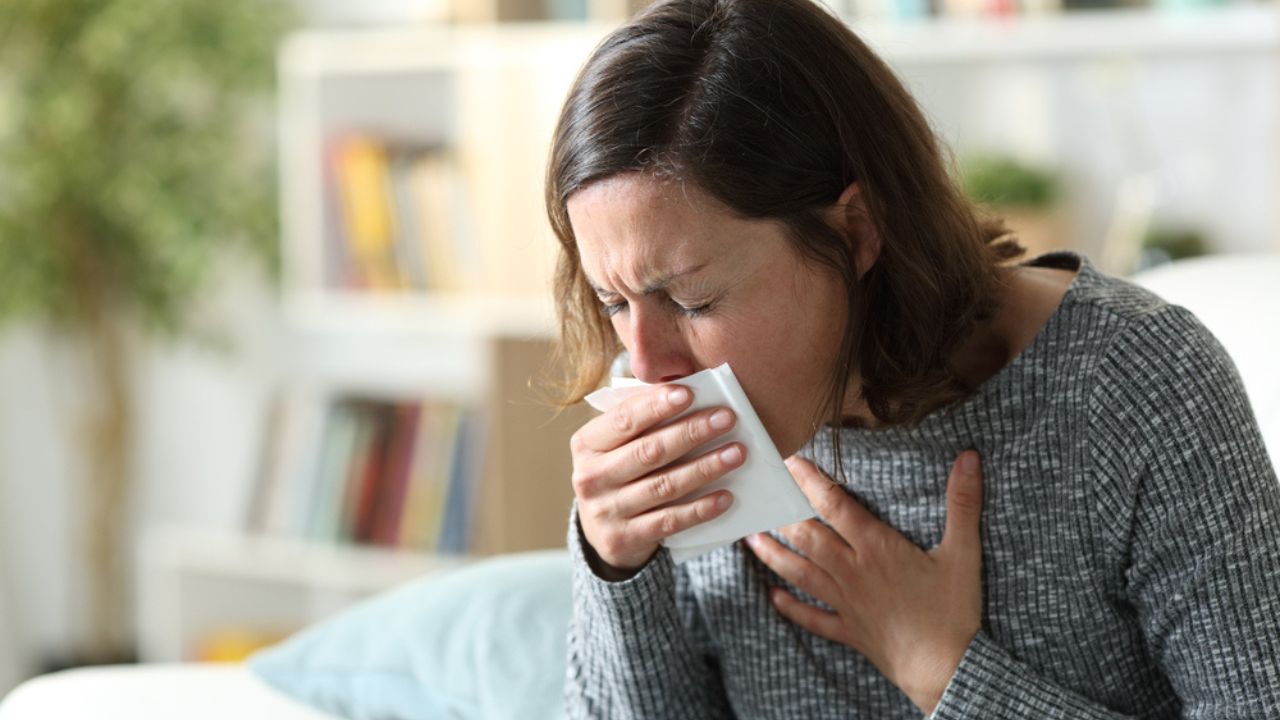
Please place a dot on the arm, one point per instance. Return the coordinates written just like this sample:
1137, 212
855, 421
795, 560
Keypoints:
1190, 506
638, 648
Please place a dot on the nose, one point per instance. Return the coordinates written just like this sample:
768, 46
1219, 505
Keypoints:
659, 351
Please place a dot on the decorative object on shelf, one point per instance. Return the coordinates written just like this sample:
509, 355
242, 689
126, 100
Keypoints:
1026, 197
1166, 243
127, 173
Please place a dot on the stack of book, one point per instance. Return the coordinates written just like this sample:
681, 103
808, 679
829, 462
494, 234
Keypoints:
396, 218
394, 474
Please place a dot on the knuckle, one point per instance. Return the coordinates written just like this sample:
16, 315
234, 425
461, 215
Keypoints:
622, 420
704, 509
968, 499
668, 523
802, 536
584, 482
578, 443
597, 512
648, 451
663, 488
611, 541
693, 432
657, 407
708, 469
830, 500
803, 577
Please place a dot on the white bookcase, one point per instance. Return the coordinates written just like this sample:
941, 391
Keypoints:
490, 94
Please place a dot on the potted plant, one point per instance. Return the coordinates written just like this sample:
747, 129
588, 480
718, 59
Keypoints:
1025, 196
128, 166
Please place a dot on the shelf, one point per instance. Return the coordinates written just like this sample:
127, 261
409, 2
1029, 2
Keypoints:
379, 51
1056, 36
306, 564
1078, 35
363, 315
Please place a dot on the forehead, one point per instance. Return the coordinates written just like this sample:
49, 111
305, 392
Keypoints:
636, 226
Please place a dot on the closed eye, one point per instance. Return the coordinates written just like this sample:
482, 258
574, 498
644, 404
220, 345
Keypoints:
610, 309
695, 311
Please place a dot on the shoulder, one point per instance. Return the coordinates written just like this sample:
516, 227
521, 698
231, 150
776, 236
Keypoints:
1143, 371
1129, 340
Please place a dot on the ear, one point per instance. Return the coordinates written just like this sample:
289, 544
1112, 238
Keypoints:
851, 216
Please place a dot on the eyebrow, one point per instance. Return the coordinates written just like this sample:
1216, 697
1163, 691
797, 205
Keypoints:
657, 285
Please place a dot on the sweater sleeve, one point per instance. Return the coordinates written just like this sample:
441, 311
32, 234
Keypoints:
1189, 509
638, 648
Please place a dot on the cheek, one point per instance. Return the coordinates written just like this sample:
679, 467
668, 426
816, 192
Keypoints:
796, 371
783, 363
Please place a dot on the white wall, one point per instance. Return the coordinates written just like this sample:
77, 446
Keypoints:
199, 426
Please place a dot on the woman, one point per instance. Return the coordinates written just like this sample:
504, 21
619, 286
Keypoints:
1050, 497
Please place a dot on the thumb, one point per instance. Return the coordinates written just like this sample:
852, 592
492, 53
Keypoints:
964, 506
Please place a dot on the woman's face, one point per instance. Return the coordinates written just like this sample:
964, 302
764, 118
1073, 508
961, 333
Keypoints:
689, 286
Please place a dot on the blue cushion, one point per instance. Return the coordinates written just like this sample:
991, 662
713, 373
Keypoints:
486, 640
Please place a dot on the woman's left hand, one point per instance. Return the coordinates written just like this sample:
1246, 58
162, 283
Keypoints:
911, 612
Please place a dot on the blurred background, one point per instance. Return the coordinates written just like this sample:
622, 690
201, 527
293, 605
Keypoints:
273, 273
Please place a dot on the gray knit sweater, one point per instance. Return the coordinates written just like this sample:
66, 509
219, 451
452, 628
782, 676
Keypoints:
1131, 549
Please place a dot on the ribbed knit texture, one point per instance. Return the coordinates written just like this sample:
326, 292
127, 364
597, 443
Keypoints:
1130, 535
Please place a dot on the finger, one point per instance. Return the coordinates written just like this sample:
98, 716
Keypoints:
665, 445
830, 500
964, 506
814, 619
794, 568
632, 418
673, 483
658, 525
820, 544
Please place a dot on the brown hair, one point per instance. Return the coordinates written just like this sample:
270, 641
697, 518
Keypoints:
774, 107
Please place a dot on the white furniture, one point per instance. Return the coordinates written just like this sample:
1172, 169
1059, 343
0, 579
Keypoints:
153, 692
194, 583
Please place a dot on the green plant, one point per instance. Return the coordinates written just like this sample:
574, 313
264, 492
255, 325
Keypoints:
128, 167
1003, 180
1175, 242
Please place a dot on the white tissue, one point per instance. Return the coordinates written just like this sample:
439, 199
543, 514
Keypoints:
765, 496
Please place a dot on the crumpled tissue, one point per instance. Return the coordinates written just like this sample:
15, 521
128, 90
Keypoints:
765, 496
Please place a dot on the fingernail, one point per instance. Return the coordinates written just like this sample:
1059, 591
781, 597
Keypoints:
724, 501
731, 455
753, 539
791, 461
969, 462
721, 419
677, 396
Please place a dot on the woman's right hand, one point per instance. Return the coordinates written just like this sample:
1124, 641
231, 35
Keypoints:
625, 483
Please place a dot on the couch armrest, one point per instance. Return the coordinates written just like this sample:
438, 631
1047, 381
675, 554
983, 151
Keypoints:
193, 691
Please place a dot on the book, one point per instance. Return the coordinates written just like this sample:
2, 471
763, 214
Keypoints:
325, 497
389, 502
366, 478
361, 179
455, 535
422, 518
435, 197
